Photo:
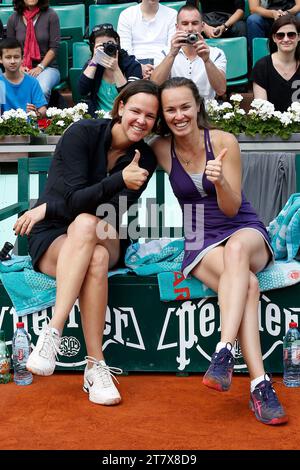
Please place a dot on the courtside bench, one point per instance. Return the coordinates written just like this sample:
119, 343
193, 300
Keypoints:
141, 332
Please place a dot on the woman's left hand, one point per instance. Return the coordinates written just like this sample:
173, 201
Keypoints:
35, 72
26, 222
213, 170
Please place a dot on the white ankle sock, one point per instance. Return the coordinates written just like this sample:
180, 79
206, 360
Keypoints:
256, 381
222, 345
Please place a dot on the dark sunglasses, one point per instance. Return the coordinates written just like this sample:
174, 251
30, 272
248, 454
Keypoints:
104, 26
289, 34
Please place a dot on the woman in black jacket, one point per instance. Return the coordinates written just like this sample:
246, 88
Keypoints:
106, 74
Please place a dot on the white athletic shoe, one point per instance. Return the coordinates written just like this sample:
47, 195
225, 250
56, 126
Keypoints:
42, 359
98, 382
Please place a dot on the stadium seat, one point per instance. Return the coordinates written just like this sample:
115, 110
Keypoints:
81, 53
62, 62
5, 13
74, 74
260, 49
106, 14
72, 23
175, 5
235, 50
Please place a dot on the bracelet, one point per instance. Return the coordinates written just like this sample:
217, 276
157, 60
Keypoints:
41, 66
226, 27
92, 64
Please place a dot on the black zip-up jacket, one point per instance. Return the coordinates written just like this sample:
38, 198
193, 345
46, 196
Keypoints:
78, 180
89, 87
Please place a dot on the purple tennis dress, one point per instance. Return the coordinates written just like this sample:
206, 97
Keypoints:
205, 225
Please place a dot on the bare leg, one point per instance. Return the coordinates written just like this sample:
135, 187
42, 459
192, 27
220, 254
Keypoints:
239, 303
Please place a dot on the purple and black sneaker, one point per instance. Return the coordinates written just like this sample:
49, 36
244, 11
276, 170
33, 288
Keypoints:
265, 404
219, 373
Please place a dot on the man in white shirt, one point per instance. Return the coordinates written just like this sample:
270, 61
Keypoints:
205, 65
145, 30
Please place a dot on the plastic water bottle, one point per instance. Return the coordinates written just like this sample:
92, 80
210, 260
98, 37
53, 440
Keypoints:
21, 350
291, 356
5, 363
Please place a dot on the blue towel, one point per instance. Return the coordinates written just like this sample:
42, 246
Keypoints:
29, 290
155, 256
284, 230
173, 286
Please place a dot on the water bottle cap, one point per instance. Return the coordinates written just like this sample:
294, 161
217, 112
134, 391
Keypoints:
20, 324
293, 324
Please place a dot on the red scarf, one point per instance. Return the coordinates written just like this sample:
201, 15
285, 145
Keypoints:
31, 47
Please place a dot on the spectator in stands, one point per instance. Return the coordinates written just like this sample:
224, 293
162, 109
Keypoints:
226, 246
103, 77
36, 26
276, 76
96, 162
1, 30
145, 30
263, 13
205, 65
18, 90
223, 18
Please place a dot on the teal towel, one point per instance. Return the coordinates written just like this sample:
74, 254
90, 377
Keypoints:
173, 285
29, 290
155, 256
284, 230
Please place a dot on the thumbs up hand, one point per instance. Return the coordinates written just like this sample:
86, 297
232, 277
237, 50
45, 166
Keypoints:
213, 168
133, 175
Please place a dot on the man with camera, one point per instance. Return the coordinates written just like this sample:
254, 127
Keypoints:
190, 56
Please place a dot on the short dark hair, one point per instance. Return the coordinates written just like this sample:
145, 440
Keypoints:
19, 5
188, 7
283, 21
131, 89
10, 43
176, 82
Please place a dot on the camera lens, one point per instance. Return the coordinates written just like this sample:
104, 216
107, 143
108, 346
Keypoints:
110, 48
192, 38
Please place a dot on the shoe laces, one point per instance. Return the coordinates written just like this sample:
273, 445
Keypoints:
268, 393
104, 372
222, 360
49, 344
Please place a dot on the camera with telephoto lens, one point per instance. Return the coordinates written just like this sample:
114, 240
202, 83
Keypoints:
110, 48
191, 38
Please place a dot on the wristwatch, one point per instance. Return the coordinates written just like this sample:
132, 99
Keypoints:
41, 66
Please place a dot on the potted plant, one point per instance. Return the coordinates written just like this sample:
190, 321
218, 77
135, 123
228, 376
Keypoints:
17, 126
61, 119
261, 121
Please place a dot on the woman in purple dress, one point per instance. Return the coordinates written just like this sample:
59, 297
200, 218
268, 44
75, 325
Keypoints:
225, 243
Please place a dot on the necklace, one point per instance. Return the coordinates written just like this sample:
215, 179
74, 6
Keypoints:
186, 162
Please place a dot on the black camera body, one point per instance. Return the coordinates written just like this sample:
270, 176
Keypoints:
191, 38
110, 48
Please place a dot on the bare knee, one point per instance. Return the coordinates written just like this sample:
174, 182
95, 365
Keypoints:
253, 289
235, 253
83, 228
98, 266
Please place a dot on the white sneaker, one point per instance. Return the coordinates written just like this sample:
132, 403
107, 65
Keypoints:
99, 384
42, 359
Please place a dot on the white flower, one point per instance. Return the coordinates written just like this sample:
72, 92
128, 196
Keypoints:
225, 106
286, 118
31, 114
242, 112
60, 123
228, 115
236, 98
51, 112
81, 108
295, 107
103, 114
